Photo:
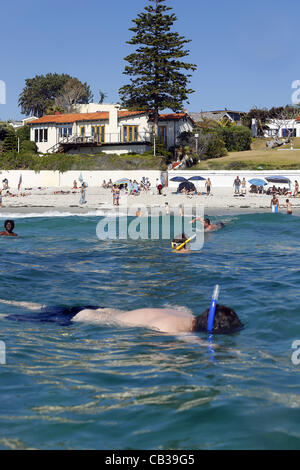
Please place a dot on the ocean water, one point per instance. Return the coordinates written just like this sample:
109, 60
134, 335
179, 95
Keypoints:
76, 386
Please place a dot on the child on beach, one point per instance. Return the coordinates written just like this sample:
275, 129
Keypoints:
288, 205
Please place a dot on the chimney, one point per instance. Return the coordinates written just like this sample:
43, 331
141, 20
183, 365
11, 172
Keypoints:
113, 119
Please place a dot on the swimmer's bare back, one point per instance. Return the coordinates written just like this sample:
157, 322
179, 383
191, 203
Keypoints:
162, 319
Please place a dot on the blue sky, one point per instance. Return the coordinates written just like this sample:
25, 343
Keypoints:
246, 52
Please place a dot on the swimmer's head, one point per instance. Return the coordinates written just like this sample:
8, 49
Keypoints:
9, 225
177, 241
226, 321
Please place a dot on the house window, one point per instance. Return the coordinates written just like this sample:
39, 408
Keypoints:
130, 134
162, 133
287, 132
41, 135
98, 132
82, 131
64, 132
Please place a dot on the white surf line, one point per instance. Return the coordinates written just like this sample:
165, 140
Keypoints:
28, 305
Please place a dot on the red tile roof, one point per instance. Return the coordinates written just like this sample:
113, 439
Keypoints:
101, 115
80, 117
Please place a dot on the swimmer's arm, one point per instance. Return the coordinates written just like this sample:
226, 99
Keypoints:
197, 218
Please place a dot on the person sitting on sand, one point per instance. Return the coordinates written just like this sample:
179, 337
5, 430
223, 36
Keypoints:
75, 185
167, 320
208, 226
9, 226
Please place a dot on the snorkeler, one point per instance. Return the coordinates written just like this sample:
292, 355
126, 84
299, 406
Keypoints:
167, 320
180, 244
9, 226
208, 226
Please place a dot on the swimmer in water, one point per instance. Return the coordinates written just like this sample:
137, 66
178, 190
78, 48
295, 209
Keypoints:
166, 320
180, 245
9, 226
208, 226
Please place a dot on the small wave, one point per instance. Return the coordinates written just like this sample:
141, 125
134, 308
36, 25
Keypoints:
29, 215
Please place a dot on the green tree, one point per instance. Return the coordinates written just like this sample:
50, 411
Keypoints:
160, 76
10, 142
40, 92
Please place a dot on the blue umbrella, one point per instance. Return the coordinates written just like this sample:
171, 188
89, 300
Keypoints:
178, 179
257, 182
123, 181
196, 178
80, 177
278, 179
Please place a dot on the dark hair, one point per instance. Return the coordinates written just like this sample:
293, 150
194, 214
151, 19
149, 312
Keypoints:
207, 220
180, 239
226, 321
11, 222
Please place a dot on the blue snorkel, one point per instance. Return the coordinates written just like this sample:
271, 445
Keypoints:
212, 309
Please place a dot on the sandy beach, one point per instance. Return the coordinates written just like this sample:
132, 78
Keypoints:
99, 200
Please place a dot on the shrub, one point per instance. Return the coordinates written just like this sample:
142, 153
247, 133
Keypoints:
216, 147
236, 138
28, 146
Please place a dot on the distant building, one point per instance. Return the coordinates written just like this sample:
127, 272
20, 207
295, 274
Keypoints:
17, 124
280, 128
106, 128
234, 116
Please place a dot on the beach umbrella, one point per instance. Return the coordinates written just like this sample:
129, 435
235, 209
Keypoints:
80, 178
123, 181
278, 179
187, 185
257, 182
178, 179
196, 178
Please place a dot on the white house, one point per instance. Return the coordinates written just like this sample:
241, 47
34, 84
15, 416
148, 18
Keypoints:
105, 128
280, 128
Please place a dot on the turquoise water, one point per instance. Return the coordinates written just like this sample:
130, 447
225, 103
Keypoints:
101, 387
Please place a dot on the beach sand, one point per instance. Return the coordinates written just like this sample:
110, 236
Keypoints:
99, 200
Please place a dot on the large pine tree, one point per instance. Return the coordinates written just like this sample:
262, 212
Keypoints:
160, 77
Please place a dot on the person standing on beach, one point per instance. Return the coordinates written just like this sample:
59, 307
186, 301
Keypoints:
82, 191
288, 205
9, 226
274, 204
237, 184
244, 182
117, 196
208, 186
296, 190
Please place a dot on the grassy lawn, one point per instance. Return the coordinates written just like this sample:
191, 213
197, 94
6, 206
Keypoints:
259, 156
